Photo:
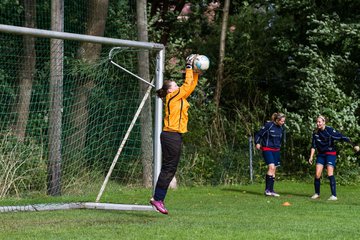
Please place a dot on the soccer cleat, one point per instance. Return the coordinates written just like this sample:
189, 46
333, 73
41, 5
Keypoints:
267, 193
274, 194
332, 198
315, 196
159, 206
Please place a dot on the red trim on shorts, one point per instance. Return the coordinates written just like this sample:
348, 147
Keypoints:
270, 149
331, 153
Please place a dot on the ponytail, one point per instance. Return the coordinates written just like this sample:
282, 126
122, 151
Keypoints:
277, 116
162, 92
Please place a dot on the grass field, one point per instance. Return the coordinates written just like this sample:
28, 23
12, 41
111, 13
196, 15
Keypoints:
225, 212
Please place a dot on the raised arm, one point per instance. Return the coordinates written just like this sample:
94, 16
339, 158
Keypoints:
194, 76
188, 86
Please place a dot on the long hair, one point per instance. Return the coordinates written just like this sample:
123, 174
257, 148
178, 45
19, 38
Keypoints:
163, 91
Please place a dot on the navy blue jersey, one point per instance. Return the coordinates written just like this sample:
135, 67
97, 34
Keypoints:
324, 140
270, 135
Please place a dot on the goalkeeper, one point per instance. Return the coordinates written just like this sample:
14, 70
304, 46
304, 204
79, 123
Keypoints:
323, 139
175, 124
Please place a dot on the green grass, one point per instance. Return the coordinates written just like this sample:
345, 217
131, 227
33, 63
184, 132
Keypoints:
227, 212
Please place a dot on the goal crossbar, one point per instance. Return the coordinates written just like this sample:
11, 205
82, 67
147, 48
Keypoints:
78, 37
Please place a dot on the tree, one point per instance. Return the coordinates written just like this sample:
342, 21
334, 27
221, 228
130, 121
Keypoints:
220, 74
145, 117
27, 71
56, 99
88, 53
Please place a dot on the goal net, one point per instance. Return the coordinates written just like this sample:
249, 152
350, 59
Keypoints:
77, 129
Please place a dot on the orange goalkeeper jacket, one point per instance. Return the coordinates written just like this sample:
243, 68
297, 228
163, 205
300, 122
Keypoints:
176, 105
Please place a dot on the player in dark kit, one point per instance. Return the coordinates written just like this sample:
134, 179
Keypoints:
323, 140
269, 139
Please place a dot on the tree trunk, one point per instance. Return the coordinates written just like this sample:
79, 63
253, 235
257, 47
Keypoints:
89, 53
96, 21
220, 75
26, 74
56, 99
145, 116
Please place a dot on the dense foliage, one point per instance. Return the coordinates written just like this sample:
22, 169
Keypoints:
298, 57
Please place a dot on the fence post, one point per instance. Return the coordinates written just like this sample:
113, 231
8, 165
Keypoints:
251, 158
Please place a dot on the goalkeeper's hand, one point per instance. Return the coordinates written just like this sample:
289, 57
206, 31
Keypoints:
190, 61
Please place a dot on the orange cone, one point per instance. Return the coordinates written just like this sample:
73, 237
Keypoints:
286, 204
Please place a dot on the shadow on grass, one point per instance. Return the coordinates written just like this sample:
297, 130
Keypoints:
147, 215
243, 191
259, 193
289, 194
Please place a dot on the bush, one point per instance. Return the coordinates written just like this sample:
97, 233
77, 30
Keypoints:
22, 166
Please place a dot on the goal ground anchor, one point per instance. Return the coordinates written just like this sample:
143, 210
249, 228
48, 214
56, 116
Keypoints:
79, 205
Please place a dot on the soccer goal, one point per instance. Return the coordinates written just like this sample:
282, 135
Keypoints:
79, 129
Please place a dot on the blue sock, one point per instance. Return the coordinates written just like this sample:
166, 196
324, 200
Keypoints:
317, 185
332, 185
272, 181
267, 183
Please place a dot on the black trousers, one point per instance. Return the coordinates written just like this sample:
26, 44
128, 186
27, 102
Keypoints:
171, 143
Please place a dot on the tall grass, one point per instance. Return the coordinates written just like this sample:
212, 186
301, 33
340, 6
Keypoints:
24, 169
22, 166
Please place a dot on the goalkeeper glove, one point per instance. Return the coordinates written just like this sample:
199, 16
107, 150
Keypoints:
190, 61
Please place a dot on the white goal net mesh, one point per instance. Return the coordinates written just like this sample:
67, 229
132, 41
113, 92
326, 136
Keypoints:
61, 125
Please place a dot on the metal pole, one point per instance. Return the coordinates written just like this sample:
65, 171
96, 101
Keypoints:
132, 74
158, 115
78, 37
251, 159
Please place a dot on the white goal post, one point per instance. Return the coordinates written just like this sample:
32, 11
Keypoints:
156, 83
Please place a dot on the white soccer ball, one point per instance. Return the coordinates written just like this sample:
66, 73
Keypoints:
357, 148
201, 63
